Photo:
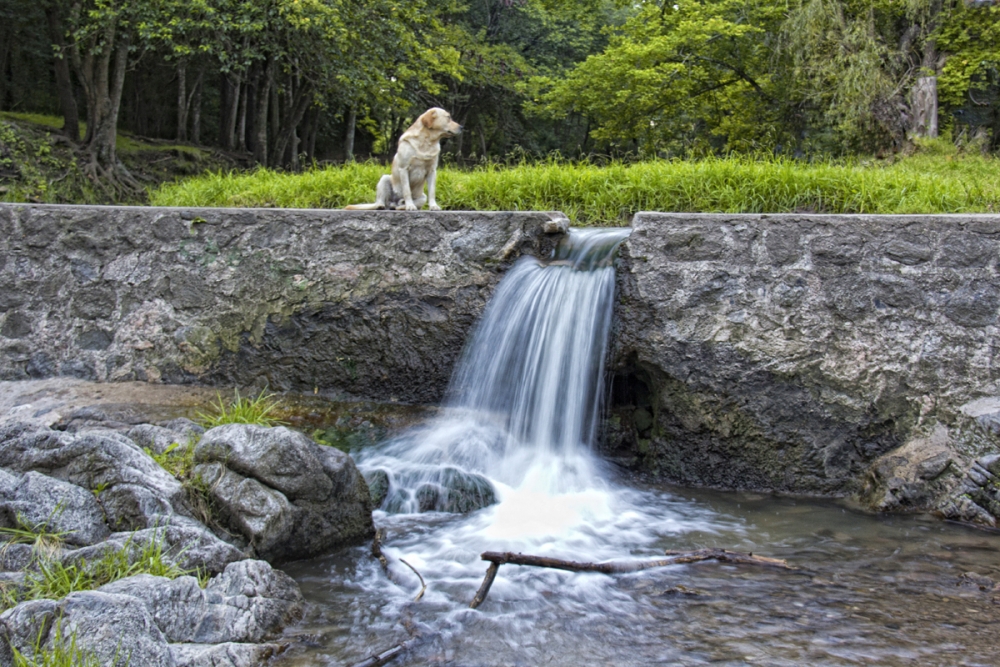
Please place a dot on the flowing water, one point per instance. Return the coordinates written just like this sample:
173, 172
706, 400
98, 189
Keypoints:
518, 429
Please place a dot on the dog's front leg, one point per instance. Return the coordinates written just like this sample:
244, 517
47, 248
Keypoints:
404, 185
432, 186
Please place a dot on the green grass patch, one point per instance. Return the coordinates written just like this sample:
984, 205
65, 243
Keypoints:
928, 182
177, 459
62, 654
53, 579
259, 410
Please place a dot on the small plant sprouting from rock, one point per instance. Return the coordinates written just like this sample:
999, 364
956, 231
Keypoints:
259, 410
62, 653
177, 459
43, 540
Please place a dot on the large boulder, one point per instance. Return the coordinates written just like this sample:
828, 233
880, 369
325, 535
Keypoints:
290, 497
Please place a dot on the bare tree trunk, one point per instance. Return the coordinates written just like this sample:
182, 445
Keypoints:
182, 100
313, 131
231, 112
293, 116
352, 121
263, 95
64, 84
196, 112
925, 107
241, 132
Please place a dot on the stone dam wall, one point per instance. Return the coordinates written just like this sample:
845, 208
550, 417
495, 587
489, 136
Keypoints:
816, 354
370, 304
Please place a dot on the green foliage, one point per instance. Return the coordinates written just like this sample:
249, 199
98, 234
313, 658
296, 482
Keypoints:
258, 410
971, 37
610, 195
43, 540
177, 459
62, 654
52, 579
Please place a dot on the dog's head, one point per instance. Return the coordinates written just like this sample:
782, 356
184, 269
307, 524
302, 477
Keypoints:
439, 121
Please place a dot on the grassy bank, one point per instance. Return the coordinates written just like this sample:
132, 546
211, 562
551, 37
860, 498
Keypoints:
929, 182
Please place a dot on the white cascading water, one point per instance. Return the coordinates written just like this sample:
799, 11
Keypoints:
519, 423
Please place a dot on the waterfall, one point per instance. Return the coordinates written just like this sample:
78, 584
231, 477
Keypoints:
523, 405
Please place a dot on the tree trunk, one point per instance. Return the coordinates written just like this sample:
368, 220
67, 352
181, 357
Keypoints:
925, 107
263, 95
5, 46
313, 131
230, 113
64, 84
293, 116
196, 112
182, 99
241, 131
352, 121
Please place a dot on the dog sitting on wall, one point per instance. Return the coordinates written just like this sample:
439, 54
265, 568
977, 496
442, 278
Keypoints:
415, 163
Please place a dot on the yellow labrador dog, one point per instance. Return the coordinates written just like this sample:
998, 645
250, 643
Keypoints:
415, 164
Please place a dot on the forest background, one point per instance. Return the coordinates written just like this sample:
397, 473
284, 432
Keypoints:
292, 84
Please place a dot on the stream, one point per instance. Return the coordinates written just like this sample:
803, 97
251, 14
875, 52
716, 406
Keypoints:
512, 446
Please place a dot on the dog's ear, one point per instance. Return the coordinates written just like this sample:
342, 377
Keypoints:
427, 119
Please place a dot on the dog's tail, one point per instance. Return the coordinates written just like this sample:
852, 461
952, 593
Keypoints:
364, 207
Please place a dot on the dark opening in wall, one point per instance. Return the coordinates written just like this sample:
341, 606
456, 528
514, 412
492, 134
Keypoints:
629, 420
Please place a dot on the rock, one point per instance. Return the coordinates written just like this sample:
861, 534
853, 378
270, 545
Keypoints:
378, 485
288, 496
450, 490
249, 602
261, 514
904, 479
40, 502
117, 630
187, 544
224, 655
93, 460
156, 438
15, 557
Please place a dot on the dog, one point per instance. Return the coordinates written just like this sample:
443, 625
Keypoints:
415, 163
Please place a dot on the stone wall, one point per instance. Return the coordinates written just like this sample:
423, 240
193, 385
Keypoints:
809, 353
375, 304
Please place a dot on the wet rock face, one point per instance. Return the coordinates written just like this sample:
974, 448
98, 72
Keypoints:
288, 496
375, 304
790, 352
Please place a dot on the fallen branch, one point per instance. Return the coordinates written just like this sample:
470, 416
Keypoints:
423, 586
377, 551
615, 567
379, 659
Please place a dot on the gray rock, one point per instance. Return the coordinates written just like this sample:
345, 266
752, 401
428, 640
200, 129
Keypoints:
39, 501
290, 497
15, 557
452, 490
378, 485
262, 515
117, 630
224, 655
249, 602
156, 438
92, 460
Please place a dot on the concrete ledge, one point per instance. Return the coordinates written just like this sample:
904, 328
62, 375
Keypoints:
376, 304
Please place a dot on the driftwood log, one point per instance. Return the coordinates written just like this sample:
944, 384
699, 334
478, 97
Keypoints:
497, 559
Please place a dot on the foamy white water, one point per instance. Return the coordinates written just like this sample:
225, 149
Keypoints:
521, 419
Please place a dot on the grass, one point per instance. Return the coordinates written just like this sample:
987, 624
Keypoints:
928, 182
60, 655
53, 579
258, 410
177, 459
